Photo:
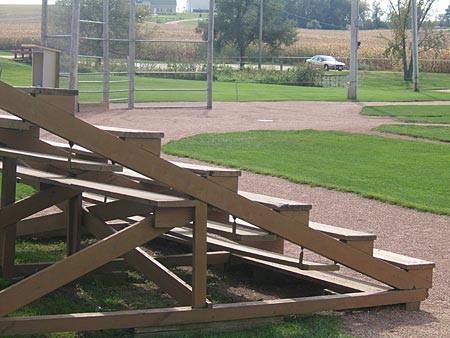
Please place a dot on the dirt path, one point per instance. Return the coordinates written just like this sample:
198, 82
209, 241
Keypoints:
402, 230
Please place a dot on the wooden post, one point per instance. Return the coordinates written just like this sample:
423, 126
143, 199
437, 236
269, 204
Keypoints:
74, 224
210, 52
8, 233
199, 258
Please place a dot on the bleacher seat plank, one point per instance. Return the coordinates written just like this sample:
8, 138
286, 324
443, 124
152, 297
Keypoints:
342, 233
140, 196
233, 247
132, 133
276, 203
14, 122
402, 261
59, 161
243, 233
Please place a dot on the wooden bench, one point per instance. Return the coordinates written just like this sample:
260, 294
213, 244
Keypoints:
361, 240
149, 140
418, 267
25, 54
59, 161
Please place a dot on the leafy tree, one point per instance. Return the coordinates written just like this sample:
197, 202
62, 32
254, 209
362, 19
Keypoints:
375, 18
237, 24
445, 18
93, 11
330, 14
400, 44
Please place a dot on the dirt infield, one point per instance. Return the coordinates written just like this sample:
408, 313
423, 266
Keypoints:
402, 230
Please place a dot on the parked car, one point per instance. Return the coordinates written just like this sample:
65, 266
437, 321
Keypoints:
326, 62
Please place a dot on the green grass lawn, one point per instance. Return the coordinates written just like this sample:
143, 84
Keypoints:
437, 133
376, 86
411, 113
409, 173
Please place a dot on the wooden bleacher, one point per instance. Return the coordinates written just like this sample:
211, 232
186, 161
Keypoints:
112, 184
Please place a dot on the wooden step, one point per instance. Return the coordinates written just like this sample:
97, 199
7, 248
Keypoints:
416, 266
361, 240
140, 196
242, 232
58, 161
236, 248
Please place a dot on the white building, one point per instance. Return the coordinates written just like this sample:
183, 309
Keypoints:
160, 7
197, 6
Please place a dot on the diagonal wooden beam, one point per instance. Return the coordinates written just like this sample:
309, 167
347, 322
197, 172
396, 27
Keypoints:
49, 117
143, 262
28, 206
75, 266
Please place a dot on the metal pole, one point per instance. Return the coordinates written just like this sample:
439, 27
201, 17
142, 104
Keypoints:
353, 84
415, 47
261, 16
44, 22
131, 53
210, 54
74, 45
105, 50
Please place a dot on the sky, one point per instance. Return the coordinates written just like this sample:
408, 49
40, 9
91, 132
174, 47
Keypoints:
440, 5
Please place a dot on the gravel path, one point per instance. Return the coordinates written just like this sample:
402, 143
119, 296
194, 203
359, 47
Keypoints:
402, 230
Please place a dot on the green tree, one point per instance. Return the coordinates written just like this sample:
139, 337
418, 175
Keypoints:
400, 44
237, 25
91, 12
330, 14
445, 18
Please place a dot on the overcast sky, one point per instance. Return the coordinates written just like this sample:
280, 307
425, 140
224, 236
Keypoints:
440, 5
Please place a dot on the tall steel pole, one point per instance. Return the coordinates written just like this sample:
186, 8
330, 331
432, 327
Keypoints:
74, 45
131, 53
105, 50
210, 54
261, 16
415, 46
44, 22
353, 84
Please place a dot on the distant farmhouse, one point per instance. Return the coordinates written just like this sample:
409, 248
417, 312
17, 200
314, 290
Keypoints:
197, 6
159, 7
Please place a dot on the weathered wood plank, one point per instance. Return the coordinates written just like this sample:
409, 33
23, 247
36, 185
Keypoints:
140, 196
30, 205
221, 312
8, 232
199, 260
48, 117
58, 161
72, 267
233, 247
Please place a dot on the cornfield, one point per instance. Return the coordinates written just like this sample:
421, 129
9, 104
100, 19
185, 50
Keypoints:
18, 26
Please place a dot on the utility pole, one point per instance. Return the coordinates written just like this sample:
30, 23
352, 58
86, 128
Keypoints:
74, 45
261, 16
44, 23
354, 44
131, 53
210, 55
106, 69
415, 46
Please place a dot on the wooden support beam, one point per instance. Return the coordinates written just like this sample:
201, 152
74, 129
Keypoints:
213, 258
199, 259
42, 224
8, 232
144, 263
220, 312
50, 118
30, 205
73, 215
75, 266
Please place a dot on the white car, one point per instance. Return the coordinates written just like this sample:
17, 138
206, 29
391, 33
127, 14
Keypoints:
326, 62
